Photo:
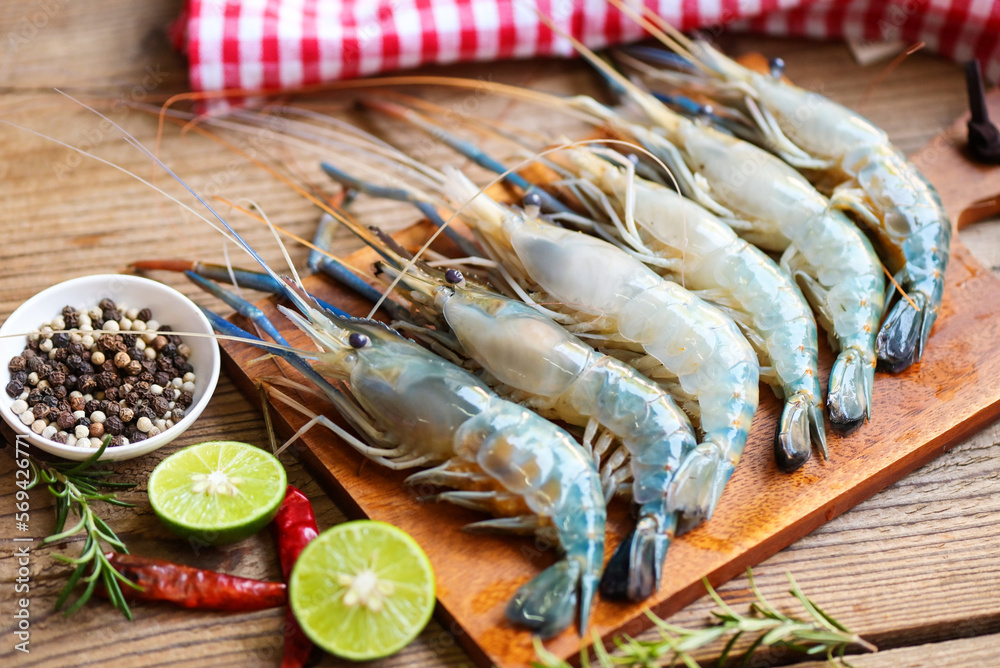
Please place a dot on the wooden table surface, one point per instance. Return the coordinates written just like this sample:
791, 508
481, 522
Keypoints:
914, 569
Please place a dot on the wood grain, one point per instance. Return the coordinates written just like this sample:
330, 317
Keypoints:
918, 414
936, 528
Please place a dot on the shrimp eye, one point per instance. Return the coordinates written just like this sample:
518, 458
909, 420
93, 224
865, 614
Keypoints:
453, 276
777, 66
532, 199
358, 340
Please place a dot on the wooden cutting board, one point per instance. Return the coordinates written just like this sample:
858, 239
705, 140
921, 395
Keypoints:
918, 415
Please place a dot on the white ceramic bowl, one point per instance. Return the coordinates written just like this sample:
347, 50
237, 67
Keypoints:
169, 307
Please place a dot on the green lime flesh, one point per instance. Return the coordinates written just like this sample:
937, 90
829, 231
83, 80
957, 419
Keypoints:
217, 492
362, 590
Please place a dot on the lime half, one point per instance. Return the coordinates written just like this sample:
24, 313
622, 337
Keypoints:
362, 590
217, 492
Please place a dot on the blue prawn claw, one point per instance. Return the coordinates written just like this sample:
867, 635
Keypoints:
849, 401
547, 602
800, 425
635, 569
904, 333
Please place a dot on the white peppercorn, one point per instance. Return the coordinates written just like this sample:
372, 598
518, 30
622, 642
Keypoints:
80, 431
20, 406
38, 426
143, 424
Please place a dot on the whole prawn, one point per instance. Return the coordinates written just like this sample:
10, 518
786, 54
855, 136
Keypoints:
418, 409
674, 337
869, 176
554, 373
687, 243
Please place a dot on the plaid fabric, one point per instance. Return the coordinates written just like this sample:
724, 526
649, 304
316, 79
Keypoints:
285, 44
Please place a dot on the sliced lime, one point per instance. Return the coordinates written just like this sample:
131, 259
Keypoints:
362, 590
217, 492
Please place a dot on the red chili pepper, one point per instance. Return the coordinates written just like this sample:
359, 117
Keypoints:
194, 587
294, 528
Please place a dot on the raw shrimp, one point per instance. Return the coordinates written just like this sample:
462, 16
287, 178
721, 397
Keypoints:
685, 242
552, 372
675, 337
774, 207
870, 177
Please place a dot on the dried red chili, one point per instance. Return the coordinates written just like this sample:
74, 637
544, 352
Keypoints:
294, 527
195, 587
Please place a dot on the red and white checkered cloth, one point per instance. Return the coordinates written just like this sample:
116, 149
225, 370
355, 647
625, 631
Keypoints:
285, 44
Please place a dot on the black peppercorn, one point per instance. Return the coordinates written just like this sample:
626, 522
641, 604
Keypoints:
161, 379
126, 414
86, 383
111, 393
134, 368
35, 363
113, 424
169, 350
65, 421
77, 349
50, 401
77, 403
177, 414
17, 363
61, 354
83, 422
106, 305
92, 406
106, 380
116, 440
57, 377
41, 411
29, 352
145, 314
60, 391
14, 388
129, 339
112, 314
60, 340
133, 398
160, 405
44, 372
71, 381
113, 408
34, 397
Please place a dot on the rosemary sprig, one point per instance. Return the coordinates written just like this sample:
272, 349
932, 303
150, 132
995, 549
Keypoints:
76, 486
823, 634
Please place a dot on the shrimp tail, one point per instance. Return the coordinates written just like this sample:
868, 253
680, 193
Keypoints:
634, 571
901, 340
849, 401
699, 482
800, 426
547, 602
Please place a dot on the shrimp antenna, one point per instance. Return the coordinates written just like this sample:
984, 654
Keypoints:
653, 107
294, 297
668, 35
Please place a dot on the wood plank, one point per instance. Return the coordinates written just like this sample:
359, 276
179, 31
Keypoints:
92, 220
954, 391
